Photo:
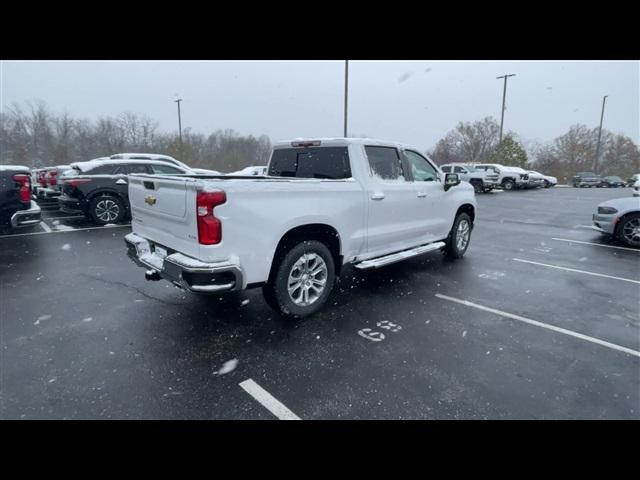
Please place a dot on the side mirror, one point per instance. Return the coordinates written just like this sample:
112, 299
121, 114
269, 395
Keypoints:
451, 180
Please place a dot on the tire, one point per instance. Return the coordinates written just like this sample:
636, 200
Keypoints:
628, 231
105, 209
508, 184
477, 186
487, 189
547, 184
455, 246
306, 256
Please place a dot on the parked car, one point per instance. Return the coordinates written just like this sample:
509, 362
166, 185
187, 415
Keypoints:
338, 201
620, 218
536, 180
17, 209
52, 186
633, 179
164, 158
481, 180
98, 188
636, 189
586, 179
548, 180
612, 181
250, 171
509, 177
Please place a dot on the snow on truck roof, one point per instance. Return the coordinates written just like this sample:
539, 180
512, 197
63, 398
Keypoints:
14, 168
338, 142
96, 162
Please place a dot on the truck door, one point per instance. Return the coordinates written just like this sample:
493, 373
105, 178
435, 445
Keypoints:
430, 206
392, 224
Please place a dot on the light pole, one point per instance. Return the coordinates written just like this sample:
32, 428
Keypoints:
179, 120
504, 96
595, 167
346, 94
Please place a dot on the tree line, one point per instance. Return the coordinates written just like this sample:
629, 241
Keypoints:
563, 157
33, 135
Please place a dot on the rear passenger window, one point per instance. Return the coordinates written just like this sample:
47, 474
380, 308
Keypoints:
446, 169
385, 163
324, 162
457, 169
160, 169
136, 168
101, 170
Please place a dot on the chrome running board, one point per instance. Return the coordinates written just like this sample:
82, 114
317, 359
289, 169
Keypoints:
397, 257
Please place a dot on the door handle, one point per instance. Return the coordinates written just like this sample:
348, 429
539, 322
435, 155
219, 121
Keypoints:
377, 196
421, 194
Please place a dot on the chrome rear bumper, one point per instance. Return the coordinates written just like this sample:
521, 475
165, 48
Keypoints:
185, 272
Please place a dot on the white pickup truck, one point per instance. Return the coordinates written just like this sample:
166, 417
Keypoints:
324, 203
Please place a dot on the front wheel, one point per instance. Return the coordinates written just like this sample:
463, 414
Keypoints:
629, 230
459, 237
302, 281
508, 184
477, 186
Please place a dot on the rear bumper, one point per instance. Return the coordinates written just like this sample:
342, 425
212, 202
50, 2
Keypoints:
25, 218
185, 272
70, 205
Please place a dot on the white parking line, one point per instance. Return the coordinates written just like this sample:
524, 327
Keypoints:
268, 401
577, 271
571, 333
65, 218
62, 231
596, 244
45, 227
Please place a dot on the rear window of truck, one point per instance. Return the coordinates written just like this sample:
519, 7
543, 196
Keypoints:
320, 162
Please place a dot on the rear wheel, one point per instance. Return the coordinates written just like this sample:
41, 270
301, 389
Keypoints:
629, 230
105, 209
458, 240
302, 281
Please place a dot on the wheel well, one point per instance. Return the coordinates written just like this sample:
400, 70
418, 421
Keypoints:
622, 219
508, 178
315, 231
107, 193
469, 210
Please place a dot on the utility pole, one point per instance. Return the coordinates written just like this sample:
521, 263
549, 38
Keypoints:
595, 167
178, 100
346, 94
504, 97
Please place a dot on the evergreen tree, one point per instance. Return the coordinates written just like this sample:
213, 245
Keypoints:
510, 153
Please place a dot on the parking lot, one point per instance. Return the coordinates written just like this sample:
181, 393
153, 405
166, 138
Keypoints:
540, 320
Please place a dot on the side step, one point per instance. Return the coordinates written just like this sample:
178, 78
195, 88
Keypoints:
396, 257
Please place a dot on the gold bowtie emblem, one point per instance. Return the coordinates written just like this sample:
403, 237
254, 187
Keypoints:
150, 199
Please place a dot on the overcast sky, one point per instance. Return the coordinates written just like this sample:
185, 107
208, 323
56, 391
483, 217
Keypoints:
412, 102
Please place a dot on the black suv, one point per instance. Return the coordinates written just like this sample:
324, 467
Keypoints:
98, 188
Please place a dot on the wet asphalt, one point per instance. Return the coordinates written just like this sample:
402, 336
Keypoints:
84, 336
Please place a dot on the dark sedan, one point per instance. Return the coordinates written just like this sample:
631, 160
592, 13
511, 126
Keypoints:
612, 181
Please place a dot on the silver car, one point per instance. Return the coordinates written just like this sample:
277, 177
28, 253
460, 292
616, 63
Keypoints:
620, 218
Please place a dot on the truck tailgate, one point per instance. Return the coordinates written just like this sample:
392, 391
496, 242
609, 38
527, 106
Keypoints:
163, 210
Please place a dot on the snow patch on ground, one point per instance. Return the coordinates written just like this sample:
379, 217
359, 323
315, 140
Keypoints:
228, 367
42, 318
66, 247
88, 319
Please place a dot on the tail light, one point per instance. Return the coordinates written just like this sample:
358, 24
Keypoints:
52, 178
25, 187
41, 179
209, 227
76, 181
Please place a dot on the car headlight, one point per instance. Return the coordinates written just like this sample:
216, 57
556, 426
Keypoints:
606, 210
